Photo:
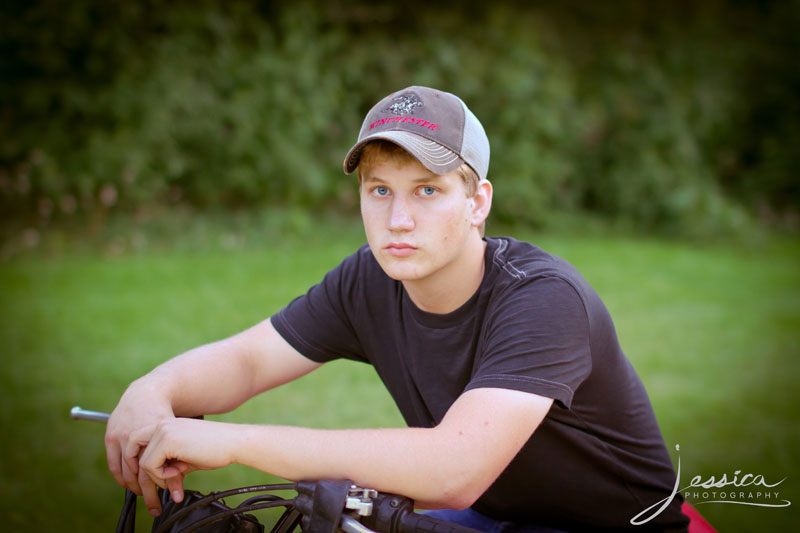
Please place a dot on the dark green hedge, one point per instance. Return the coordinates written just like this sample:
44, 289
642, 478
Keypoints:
670, 115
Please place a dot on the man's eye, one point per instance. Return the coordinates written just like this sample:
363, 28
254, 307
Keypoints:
381, 191
428, 191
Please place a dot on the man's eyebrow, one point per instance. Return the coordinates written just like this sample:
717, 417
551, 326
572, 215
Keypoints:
428, 178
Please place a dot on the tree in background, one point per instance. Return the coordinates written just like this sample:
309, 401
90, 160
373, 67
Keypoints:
673, 116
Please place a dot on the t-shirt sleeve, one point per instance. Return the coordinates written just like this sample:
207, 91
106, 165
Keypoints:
317, 324
537, 342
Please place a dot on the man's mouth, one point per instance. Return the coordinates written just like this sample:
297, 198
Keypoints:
400, 249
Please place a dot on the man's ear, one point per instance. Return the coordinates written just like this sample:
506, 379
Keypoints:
481, 202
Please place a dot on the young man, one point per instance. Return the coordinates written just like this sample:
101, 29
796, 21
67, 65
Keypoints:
522, 409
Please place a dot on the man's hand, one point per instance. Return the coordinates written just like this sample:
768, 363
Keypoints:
137, 409
210, 379
174, 447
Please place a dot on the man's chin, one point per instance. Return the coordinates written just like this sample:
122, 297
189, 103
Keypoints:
402, 272
399, 268
403, 276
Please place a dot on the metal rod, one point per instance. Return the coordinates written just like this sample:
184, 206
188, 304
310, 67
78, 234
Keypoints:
76, 413
351, 525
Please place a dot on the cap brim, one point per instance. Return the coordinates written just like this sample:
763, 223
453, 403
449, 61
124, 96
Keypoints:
430, 154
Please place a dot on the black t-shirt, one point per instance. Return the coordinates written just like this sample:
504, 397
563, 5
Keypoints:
597, 460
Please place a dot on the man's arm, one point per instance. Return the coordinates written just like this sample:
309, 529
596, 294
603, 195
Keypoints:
213, 378
450, 465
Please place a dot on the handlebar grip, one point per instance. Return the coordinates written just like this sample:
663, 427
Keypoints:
419, 523
396, 514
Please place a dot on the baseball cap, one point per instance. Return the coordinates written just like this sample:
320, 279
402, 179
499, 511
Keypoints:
434, 126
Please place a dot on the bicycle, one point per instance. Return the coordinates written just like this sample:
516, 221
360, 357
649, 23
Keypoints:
323, 506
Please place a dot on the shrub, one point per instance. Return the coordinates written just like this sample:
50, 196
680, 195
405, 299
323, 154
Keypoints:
641, 113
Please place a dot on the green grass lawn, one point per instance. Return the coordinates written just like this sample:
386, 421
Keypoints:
712, 329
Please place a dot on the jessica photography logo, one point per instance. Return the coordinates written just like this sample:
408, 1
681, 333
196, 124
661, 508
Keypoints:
740, 489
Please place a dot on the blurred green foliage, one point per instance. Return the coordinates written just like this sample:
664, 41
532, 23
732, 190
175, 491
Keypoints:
670, 116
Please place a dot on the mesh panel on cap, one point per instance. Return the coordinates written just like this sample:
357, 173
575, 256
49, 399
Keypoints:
475, 146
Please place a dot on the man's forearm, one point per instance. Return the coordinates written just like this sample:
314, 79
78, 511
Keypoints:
205, 380
450, 465
417, 462
220, 376
431, 465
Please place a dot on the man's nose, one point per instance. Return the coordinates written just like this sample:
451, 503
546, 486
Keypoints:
400, 217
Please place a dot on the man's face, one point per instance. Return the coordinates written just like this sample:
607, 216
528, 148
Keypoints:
417, 222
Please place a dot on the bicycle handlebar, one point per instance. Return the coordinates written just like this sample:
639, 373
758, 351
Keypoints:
414, 522
325, 504
395, 514
76, 413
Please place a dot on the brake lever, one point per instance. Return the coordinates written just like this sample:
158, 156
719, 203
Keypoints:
351, 525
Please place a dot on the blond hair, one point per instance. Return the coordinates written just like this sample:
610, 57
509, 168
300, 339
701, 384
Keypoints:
380, 151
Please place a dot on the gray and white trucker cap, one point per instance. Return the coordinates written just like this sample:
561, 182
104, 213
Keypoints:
435, 127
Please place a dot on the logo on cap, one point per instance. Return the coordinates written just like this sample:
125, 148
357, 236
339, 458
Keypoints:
405, 104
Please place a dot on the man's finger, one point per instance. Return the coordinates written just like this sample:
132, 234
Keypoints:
131, 460
149, 493
130, 454
131, 478
114, 460
175, 488
130, 466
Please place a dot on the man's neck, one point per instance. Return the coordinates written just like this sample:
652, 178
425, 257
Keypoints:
451, 287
